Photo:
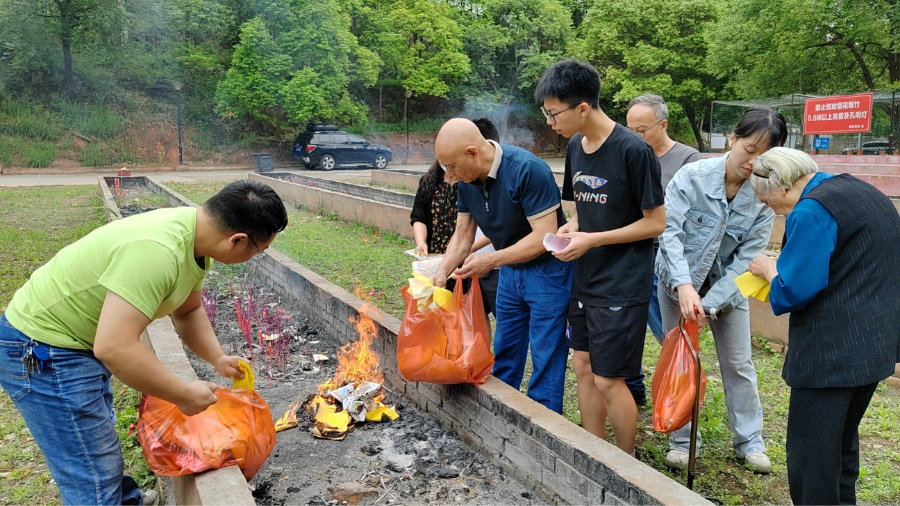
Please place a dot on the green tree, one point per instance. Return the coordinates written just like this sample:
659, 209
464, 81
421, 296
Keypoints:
70, 23
511, 42
250, 90
774, 47
653, 46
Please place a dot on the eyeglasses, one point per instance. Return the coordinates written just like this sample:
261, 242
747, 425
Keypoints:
644, 131
258, 251
552, 117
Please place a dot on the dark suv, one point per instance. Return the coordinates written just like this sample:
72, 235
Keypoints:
326, 147
872, 148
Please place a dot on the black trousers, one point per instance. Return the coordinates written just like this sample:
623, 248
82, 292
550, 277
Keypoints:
823, 443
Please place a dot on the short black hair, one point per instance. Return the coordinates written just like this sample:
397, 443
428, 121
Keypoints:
488, 129
768, 124
248, 207
570, 81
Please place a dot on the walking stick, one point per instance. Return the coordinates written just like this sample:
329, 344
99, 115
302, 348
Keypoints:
695, 411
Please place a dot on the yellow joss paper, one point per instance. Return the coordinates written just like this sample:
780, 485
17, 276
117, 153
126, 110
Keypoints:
382, 414
425, 293
752, 286
249, 379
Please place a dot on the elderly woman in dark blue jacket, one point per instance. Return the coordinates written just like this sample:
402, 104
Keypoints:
837, 275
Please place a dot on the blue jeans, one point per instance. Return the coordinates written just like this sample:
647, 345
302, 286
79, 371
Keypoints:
68, 408
532, 303
731, 332
655, 318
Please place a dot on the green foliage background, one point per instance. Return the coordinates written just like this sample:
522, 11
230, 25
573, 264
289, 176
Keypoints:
259, 69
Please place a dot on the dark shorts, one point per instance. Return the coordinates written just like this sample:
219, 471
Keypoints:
614, 337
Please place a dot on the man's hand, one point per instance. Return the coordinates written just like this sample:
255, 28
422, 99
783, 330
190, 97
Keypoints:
477, 265
764, 266
198, 397
439, 280
581, 243
227, 366
691, 305
569, 228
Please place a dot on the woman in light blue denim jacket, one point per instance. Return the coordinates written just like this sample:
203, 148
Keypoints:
715, 226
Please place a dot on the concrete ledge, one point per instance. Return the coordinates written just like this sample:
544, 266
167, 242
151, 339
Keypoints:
109, 202
555, 458
354, 190
387, 217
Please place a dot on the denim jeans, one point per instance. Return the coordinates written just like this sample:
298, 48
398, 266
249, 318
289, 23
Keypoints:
655, 318
731, 332
532, 303
68, 408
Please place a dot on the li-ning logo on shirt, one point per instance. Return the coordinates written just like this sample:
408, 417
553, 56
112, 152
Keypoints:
593, 182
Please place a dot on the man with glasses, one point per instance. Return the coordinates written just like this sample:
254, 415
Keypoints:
78, 321
613, 177
648, 116
512, 195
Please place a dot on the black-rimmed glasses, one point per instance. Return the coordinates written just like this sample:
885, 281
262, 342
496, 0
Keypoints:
258, 251
551, 117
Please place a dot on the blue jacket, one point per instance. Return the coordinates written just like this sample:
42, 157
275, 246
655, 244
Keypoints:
708, 236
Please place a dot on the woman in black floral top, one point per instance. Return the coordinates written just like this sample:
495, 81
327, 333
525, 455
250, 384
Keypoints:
433, 215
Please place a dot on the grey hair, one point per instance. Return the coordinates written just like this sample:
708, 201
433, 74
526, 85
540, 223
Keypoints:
779, 168
655, 102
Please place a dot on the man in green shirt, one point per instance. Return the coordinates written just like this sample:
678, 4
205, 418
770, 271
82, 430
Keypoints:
79, 318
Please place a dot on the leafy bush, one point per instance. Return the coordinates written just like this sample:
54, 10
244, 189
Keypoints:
30, 125
7, 150
93, 156
38, 154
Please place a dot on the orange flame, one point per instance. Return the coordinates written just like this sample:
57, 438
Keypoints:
356, 360
288, 419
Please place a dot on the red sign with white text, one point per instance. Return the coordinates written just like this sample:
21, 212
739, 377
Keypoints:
840, 114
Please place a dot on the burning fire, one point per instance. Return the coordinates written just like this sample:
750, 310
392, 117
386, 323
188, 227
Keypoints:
354, 393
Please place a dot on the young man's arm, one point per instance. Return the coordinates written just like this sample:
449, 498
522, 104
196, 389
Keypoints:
118, 345
193, 326
528, 248
651, 225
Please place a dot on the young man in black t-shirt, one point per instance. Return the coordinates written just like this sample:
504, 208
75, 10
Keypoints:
614, 179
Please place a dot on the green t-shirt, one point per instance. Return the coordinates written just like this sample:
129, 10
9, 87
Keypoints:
147, 259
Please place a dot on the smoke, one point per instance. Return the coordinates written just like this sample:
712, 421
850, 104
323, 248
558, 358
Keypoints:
491, 108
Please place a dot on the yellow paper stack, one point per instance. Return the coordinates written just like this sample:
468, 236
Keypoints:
752, 286
428, 296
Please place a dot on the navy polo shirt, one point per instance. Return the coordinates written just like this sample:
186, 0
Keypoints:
519, 187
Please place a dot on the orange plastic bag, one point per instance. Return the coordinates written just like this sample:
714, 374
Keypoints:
446, 347
235, 431
675, 381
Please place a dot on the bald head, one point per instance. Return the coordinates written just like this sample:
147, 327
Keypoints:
461, 148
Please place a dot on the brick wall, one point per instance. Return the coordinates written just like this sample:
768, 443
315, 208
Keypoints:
555, 458
354, 190
388, 217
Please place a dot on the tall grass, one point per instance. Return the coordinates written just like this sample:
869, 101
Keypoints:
38, 154
91, 120
415, 125
93, 156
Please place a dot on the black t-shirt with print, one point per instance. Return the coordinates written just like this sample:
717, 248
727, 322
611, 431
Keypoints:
611, 188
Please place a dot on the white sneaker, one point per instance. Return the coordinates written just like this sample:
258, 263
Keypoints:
150, 497
677, 458
757, 461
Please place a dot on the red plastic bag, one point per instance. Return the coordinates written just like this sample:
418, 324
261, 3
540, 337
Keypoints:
446, 347
675, 381
235, 431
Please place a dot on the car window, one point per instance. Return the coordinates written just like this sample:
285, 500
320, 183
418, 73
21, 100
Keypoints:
303, 139
357, 139
340, 139
322, 139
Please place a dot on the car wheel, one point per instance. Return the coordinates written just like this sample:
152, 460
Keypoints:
380, 161
327, 162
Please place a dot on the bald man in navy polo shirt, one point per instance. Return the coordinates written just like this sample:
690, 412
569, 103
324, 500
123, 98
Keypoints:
512, 195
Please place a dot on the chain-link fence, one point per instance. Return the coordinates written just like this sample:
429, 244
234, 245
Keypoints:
884, 138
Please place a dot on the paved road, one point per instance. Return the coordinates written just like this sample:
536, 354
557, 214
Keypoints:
193, 176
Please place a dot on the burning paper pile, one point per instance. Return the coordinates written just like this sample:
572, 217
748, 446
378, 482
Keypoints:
354, 394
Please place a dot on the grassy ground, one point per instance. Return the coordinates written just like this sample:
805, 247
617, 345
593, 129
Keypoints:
35, 223
350, 254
